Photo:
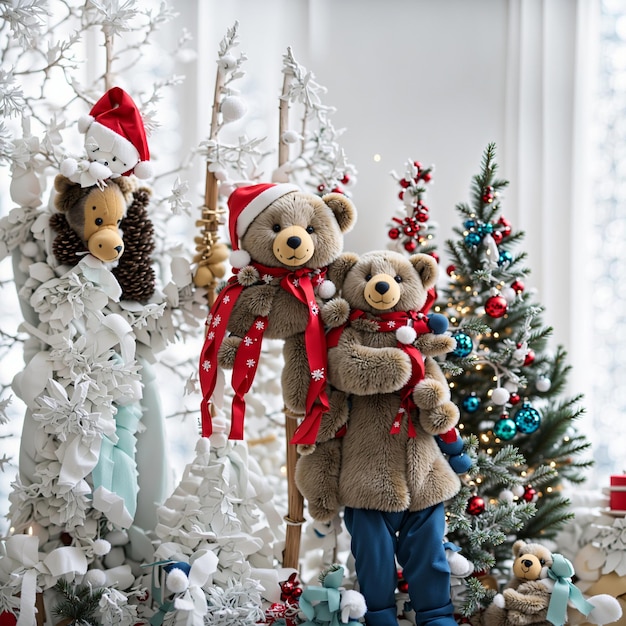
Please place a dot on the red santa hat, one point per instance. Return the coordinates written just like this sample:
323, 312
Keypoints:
244, 204
116, 121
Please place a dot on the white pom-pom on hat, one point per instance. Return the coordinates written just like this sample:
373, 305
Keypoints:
327, 289
240, 258
143, 170
84, 122
406, 334
177, 581
352, 605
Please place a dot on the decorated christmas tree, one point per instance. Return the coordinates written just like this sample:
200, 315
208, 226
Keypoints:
519, 427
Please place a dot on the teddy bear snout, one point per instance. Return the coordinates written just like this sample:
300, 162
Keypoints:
382, 287
527, 563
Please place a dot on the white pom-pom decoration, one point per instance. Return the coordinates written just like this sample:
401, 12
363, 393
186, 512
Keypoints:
95, 578
406, 334
239, 258
500, 396
68, 167
518, 491
327, 289
101, 547
143, 170
227, 63
233, 108
506, 495
352, 605
509, 294
177, 581
29, 249
290, 136
543, 384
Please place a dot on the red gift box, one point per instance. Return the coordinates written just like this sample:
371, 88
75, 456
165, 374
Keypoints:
617, 493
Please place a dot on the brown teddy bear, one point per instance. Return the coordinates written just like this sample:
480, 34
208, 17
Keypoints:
112, 224
389, 473
532, 596
283, 241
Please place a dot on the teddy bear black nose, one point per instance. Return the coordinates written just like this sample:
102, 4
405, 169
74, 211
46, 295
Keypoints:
106, 163
294, 242
527, 563
118, 249
382, 287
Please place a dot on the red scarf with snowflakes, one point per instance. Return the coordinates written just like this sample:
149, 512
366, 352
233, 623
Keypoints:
300, 283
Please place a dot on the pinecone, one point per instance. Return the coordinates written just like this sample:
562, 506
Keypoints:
134, 271
67, 244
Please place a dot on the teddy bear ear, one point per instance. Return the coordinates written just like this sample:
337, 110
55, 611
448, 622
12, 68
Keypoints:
126, 185
340, 267
68, 193
519, 547
343, 209
426, 266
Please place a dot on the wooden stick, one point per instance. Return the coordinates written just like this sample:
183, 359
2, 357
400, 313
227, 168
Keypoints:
295, 501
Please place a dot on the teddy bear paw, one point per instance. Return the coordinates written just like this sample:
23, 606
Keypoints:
335, 312
228, 351
430, 344
429, 394
440, 419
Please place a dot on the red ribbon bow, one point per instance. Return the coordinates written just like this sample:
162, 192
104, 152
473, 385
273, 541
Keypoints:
300, 283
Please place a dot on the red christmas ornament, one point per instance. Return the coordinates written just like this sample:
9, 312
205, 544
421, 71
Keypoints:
529, 493
518, 286
418, 165
514, 399
410, 246
394, 233
401, 195
427, 177
403, 586
530, 357
337, 189
421, 216
321, 187
497, 236
143, 596
7, 619
346, 179
404, 183
435, 256
475, 505
496, 306
408, 230
450, 270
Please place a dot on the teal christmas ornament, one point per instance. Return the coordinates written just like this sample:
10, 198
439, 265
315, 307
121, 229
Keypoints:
472, 239
505, 428
527, 419
464, 344
472, 403
505, 257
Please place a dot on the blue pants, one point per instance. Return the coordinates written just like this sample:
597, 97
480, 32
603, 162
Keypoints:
416, 539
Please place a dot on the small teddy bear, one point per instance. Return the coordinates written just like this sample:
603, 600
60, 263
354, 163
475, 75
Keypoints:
124, 234
115, 142
542, 593
390, 475
283, 241
95, 214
